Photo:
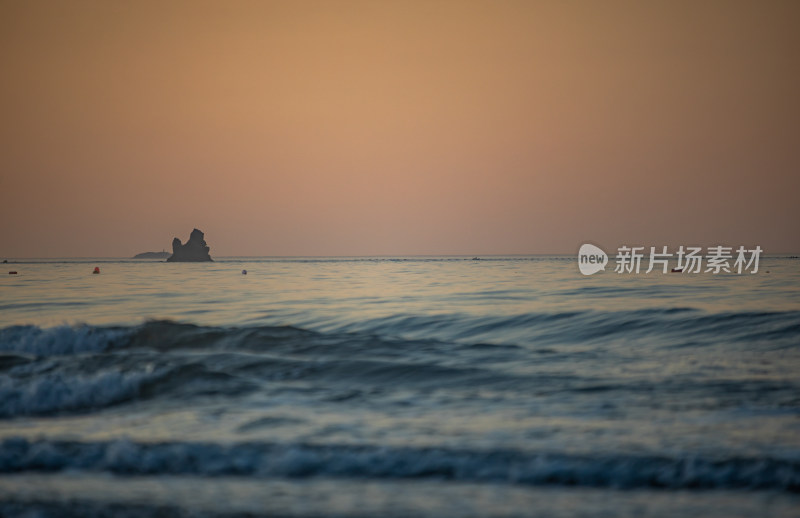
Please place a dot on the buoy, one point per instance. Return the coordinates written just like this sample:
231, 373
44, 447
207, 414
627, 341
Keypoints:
96, 269
12, 273
244, 272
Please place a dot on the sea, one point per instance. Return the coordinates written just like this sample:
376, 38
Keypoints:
397, 386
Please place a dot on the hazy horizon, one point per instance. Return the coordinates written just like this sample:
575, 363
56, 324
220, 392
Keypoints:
612, 253
397, 128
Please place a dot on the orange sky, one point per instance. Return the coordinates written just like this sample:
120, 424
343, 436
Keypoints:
378, 127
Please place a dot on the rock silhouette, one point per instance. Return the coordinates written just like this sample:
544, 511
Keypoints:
195, 249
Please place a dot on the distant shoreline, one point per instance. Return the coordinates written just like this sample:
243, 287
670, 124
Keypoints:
152, 255
224, 258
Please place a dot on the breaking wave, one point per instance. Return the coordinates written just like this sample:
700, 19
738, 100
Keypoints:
671, 324
48, 371
305, 460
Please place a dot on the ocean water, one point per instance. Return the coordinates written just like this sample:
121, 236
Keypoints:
417, 386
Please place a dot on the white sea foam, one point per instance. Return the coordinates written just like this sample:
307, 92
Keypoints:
59, 392
60, 340
301, 460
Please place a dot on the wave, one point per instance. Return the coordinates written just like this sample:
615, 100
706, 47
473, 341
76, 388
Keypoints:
671, 325
54, 390
61, 340
49, 371
366, 461
569, 327
61, 393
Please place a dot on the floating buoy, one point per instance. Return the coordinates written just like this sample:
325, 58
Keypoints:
12, 273
96, 269
244, 272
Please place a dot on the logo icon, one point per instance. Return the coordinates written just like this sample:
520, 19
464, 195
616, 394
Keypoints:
591, 259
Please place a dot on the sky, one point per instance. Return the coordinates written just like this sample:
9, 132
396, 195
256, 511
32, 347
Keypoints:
397, 127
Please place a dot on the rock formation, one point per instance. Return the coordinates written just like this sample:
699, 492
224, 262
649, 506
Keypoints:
195, 250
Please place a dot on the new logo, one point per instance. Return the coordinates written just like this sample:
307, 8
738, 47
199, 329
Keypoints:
591, 259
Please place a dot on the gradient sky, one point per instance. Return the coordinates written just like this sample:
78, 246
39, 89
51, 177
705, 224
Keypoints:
397, 127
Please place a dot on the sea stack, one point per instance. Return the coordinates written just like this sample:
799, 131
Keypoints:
194, 251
